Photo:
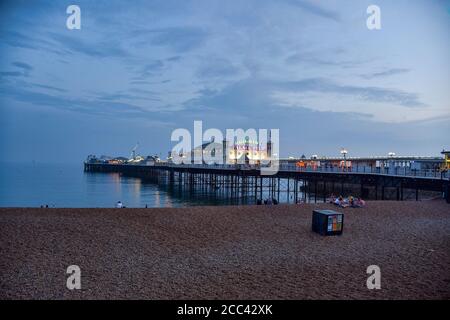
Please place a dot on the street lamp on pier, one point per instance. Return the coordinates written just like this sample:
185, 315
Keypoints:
344, 153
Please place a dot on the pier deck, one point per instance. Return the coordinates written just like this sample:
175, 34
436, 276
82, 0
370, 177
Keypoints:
297, 184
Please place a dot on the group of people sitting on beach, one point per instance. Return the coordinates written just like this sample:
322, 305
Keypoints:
351, 201
267, 201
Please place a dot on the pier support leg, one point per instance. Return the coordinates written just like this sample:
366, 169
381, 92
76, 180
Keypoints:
278, 190
295, 190
287, 198
255, 178
315, 191
261, 188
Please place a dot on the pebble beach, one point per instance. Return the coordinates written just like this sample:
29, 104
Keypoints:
226, 252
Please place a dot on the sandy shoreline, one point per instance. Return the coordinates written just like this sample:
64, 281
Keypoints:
231, 252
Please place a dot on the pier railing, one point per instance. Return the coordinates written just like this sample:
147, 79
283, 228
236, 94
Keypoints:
393, 171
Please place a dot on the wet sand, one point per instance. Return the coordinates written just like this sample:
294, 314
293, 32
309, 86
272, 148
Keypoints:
233, 252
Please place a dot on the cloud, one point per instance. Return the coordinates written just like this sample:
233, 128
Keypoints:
26, 67
260, 100
217, 68
315, 9
144, 92
386, 73
106, 106
127, 96
44, 86
371, 94
174, 58
316, 58
151, 69
16, 39
92, 48
24, 70
178, 39
139, 82
11, 74
19, 40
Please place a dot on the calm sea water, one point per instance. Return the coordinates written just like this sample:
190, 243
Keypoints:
67, 185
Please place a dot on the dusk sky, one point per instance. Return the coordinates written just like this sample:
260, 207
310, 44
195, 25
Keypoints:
137, 70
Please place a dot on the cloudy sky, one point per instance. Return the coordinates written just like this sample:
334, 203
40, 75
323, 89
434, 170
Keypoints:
138, 70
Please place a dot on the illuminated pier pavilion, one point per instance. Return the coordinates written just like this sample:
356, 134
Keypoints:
244, 151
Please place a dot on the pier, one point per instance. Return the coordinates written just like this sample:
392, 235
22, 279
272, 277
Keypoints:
244, 183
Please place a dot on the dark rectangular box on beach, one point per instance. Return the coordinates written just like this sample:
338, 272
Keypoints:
327, 222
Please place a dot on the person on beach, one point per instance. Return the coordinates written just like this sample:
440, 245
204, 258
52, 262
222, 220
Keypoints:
337, 201
332, 198
341, 202
358, 203
119, 204
361, 202
344, 204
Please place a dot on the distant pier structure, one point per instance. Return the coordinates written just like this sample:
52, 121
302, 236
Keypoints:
297, 180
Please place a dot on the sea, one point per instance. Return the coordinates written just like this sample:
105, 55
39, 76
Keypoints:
35, 184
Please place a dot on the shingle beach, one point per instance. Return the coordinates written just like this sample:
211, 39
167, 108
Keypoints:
227, 252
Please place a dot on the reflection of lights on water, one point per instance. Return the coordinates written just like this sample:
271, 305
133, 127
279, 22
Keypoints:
117, 182
137, 188
157, 198
168, 202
